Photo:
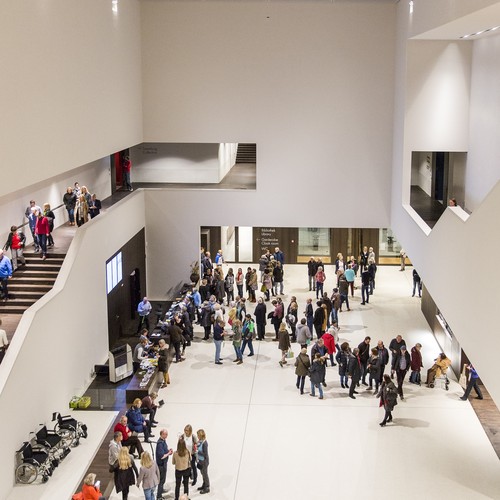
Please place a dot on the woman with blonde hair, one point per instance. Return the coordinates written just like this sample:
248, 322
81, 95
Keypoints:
81, 210
90, 489
191, 441
182, 461
203, 460
149, 476
125, 473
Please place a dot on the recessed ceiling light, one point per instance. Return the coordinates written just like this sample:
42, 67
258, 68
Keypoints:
477, 33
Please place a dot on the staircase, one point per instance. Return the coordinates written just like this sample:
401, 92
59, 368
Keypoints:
247, 153
31, 282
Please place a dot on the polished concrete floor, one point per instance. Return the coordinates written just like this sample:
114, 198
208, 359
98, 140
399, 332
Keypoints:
267, 441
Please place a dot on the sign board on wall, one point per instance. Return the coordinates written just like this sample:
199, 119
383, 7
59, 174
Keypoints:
271, 237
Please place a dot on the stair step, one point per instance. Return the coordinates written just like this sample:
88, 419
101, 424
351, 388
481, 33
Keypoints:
39, 266
39, 280
27, 294
6, 308
13, 301
50, 255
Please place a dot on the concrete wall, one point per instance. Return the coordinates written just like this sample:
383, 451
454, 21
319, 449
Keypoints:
62, 336
318, 103
70, 90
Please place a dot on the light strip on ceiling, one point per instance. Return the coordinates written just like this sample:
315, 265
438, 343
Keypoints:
480, 32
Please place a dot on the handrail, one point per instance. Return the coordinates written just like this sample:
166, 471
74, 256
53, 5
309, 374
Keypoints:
53, 209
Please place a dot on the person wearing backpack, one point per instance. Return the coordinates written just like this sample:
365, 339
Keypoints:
388, 398
247, 334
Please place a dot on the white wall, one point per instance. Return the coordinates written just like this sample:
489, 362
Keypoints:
63, 335
421, 172
443, 256
70, 90
310, 83
227, 158
483, 165
95, 175
173, 162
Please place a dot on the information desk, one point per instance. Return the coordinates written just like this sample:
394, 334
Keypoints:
136, 389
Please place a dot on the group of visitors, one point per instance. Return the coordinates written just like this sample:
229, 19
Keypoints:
80, 204
191, 455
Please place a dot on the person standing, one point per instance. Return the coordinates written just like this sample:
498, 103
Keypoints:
302, 364
248, 334
163, 362
402, 365
364, 355
260, 314
278, 278
354, 370
416, 364
335, 298
5, 274
95, 206
162, 454
4, 342
239, 281
394, 347
203, 461
365, 286
277, 316
149, 476
343, 361
283, 343
182, 461
126, 168
312, 268
320, 278
15, 241
279, 256
402, 258
417, 284
373, 367
81, 210
144, 309
388, 398
318, 320
47, 212
303, 334
236, 338
229, 286
69, 200
218, 339
344, 292
42, 231
472, 384
350, 275
317, 373
383, 354
309, 314
191, 441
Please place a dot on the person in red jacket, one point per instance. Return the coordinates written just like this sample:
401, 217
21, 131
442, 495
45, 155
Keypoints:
15, 242
330, 343
90, 489
42, 231
416, 364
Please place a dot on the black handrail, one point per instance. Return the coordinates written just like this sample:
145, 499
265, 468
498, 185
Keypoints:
24, 223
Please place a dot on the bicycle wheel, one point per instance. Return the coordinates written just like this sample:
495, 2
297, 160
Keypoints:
26, 473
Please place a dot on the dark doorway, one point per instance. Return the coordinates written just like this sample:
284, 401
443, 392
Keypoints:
440, 177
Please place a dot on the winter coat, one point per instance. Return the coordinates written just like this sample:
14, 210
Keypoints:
329, 341
343, 361
364, 351
353, 367
302, 364
260, 314
230, 282
283, 340
206, 316
388, 395
302, 334
416, 360
336, 300
124, 478
319, 317
163, 360
375, 367
135, 419
441, 365
278, 274
317, 372
398, 358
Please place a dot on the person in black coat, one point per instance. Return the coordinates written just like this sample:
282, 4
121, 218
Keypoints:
394, 347
354, 370
319, 316
402, 365
383, 354
260, 318
317, 373
342, 358
312, 269
364, 355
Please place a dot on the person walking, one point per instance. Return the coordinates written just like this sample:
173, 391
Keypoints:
388, 398
149, 476
472, 384
182, 461
402, 365
69, 200
320, 278
416, 364
203, 461
5, 274
302, 365
417, 283
126, 167
248, 334
374, 367
343, 362
125, 473
237, 327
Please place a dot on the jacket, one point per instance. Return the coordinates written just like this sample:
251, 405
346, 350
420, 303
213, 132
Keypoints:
317, 372
302, 334
149, 478
302, 364
398, 359
69, 200
416, 359
342, 358
319, 317
260, 313
329, 341
90, 492
135, 419
202, 452
5, 267
364, 351
383, 354
124, 478
181, 463
375, 367
283, 340
317, 349
278, 274
161, 450
354, 367
388, 395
